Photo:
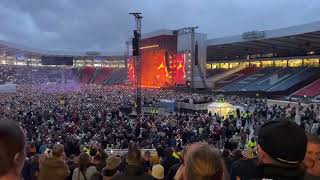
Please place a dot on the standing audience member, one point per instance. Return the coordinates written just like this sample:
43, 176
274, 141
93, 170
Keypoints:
134, 169
282, 146
202, 161
157, 172
242, 168
173, 170
53, 166
84, 171
312, 158
111, 169
12, 150
147, 161
169, 160
234, 156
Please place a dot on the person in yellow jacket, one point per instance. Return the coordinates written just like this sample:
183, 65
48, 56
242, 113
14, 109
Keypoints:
252, 143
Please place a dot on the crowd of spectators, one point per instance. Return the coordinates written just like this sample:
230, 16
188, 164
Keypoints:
70, 131
36, 74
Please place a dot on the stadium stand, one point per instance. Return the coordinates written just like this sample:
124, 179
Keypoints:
273, 79
310, 90
213, 72
117, 76
103, 74
236, 77
35, 75
87, 74
301, 77
258, 75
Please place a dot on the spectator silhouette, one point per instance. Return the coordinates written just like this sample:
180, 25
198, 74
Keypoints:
12, 150
85, 171
282, 147
53, 166
202, 162
134, 169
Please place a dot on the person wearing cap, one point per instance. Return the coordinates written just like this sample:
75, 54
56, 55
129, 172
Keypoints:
111, 169
157, 172
282, 146
242, 168
54, 166
312, 158
12, 150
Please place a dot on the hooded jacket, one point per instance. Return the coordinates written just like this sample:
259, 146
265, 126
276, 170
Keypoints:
133, 173
53, 168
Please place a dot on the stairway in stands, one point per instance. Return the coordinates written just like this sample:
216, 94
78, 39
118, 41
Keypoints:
310, 90
117, 76
103, 74
258, 75
296, 81
235, 77
87, 74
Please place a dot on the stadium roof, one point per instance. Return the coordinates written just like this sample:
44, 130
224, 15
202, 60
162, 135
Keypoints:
157, 33
12, 49
298, 40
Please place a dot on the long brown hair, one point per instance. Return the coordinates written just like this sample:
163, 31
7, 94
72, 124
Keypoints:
134, 154
84, 161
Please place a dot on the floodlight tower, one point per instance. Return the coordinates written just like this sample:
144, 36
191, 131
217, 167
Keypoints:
137, 59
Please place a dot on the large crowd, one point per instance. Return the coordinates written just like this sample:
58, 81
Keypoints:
71, 132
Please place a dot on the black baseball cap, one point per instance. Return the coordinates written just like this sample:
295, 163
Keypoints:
284, 141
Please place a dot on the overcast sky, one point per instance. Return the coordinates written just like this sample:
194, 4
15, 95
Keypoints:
104, 25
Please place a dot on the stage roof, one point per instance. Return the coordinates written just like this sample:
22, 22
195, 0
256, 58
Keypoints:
285, 42
12, 49
157, 33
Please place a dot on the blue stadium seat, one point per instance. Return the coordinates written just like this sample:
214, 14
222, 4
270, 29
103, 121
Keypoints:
261, 74
273, 79
303, 75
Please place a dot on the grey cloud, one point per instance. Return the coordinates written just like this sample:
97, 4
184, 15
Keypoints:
104, 25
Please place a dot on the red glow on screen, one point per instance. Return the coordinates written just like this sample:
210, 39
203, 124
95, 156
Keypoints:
180, 75
156, 71
131, 70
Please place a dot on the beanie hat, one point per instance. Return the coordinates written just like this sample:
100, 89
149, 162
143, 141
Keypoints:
284, 141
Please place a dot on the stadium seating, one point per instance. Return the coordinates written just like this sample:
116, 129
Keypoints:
212, 72
102, 75
310, 90
87, 74
303, 75
235, 77
35, 75
258, 75
117, 76
273, 79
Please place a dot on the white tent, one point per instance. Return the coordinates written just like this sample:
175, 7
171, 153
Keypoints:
222, 108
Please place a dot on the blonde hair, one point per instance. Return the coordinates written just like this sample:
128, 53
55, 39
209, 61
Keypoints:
203, 162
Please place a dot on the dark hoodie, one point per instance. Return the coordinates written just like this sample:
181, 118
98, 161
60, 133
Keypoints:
276, 173
133, 173
53, 168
